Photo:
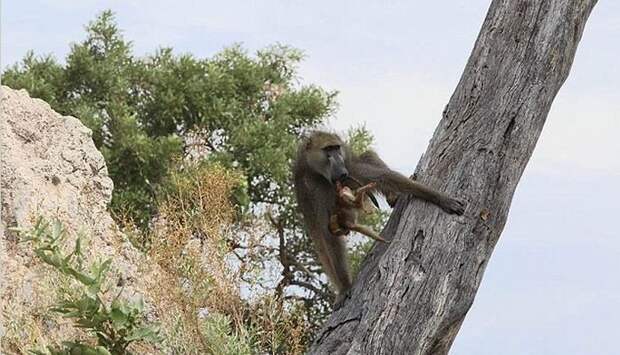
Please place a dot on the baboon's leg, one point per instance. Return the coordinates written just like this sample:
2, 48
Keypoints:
328, 256
336, 246
367, 231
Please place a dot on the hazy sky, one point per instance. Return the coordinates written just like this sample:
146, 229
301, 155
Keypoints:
552, 286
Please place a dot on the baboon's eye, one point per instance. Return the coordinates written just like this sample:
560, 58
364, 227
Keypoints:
332, 147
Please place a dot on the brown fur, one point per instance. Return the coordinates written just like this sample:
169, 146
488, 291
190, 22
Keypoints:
317, 195
350, 204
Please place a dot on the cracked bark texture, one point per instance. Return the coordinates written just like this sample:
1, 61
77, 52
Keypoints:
412, 295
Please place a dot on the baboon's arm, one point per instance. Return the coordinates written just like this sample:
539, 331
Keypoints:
389, 181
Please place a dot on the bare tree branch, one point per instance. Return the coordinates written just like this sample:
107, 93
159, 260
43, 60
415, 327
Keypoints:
310, 287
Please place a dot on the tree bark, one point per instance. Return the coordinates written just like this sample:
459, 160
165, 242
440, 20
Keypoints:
412, 295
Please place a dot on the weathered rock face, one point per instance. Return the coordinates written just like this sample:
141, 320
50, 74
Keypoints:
50, 167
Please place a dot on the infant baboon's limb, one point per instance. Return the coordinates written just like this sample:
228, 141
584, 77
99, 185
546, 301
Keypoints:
361, 195
350, 203
367, 231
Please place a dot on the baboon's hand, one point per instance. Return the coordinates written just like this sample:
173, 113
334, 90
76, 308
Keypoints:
454, 206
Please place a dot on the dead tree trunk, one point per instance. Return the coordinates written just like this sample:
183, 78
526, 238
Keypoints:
412, 295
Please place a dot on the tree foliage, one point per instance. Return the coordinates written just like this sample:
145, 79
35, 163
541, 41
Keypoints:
244, 112
248, 109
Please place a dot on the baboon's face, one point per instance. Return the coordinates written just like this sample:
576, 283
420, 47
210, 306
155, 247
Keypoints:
329, 161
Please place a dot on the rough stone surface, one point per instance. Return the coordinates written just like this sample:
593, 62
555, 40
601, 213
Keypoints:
412, 295
50, 167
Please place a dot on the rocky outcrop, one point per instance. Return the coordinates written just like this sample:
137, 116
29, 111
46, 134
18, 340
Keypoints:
50, 167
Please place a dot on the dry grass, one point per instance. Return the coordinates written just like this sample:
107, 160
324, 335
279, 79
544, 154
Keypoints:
191, 287
29, 319
198, 286
281, 330
188, 243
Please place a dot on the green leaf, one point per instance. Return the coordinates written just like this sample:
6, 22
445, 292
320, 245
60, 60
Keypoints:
119, 319
148, 333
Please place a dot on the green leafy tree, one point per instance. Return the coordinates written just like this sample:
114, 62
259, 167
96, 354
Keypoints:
245, 112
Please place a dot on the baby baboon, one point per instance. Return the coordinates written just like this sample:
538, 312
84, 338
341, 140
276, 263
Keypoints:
322, 160
349, 204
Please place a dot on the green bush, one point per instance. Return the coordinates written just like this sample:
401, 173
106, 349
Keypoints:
115, 324
244, 112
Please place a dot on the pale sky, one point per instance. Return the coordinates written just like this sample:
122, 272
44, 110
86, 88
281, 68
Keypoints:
552, 286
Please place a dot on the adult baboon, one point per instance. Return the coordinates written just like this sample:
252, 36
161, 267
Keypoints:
322, 160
